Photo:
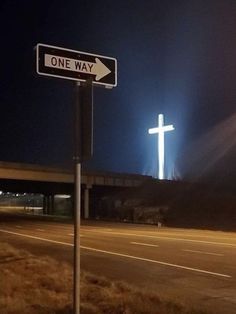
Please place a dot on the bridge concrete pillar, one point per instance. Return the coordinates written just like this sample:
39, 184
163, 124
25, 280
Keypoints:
51, 204
48, 204
86, 201
45, 205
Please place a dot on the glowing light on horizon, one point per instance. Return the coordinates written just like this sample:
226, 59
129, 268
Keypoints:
160, 130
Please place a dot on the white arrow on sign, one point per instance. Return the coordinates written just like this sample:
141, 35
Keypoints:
98, 68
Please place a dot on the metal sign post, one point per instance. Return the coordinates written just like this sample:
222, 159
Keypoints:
77, 200
77, 238
83, 150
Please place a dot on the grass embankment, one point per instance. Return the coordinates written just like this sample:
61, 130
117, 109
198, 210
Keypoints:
32, 285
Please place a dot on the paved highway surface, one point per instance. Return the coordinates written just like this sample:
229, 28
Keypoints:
194, 267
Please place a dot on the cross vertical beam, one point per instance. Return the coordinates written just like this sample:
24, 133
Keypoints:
160, 130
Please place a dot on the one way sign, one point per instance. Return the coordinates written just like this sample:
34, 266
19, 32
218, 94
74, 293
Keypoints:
76, 65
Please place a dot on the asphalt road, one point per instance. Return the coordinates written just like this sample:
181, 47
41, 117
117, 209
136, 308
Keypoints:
193, 267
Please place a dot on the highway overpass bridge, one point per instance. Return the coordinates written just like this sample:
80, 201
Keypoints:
49, 181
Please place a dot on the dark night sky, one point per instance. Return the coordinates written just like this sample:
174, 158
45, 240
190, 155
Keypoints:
174, 57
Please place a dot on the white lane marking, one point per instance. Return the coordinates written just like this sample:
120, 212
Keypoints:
72, 235
202, 252
163, 238
204, 236
193, 234
122, 255
97, 229
145, 244
40, 230
157, 262
36, 238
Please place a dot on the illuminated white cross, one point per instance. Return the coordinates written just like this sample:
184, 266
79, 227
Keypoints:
161, 129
